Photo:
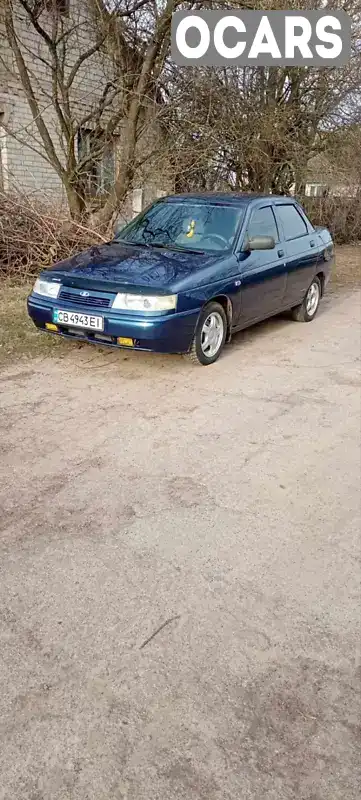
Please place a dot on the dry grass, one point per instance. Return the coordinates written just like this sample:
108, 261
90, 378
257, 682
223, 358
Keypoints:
20, 339
18, 335
348, 266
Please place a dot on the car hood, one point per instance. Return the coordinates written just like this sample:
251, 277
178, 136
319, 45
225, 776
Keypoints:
117, 266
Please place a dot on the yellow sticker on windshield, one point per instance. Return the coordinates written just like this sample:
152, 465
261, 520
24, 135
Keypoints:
191, 229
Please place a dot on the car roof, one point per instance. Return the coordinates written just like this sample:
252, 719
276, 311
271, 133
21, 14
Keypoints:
228, 198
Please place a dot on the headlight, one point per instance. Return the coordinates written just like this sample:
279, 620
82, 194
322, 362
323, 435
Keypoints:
145, 302
46, 288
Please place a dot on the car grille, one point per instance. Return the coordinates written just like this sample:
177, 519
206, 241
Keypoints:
93, 300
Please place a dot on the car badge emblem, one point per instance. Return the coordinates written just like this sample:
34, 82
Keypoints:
84, 294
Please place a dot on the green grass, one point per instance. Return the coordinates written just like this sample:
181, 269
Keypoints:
20, 339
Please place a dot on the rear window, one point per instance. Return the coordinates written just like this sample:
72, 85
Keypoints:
292, 223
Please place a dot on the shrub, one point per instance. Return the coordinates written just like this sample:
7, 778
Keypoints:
33, 237
342, 215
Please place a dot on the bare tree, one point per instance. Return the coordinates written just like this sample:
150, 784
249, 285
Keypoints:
256, 128
251, 129
126, 42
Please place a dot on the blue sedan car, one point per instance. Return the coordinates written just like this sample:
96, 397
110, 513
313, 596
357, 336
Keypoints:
187, 273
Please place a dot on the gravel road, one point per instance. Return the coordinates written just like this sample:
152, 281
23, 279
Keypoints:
180, 570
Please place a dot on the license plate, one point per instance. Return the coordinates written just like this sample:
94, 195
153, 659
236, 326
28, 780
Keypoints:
78, 320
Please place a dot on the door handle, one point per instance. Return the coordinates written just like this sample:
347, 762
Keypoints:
312, 244
281, 253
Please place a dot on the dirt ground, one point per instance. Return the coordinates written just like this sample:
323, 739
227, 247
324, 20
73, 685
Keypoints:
180, 570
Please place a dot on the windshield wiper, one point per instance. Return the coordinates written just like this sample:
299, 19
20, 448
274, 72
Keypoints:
144, 244
160, 246
134, 244
177, 247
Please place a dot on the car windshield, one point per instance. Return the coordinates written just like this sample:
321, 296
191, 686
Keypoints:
190, 226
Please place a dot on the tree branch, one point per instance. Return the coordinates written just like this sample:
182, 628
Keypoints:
26, 83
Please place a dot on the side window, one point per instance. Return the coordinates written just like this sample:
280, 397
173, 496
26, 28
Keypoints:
291, 221
263, 223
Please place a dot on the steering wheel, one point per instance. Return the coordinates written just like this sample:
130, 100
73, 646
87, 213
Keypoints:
217, 236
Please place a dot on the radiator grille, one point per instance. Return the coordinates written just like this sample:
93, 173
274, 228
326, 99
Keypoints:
93, 301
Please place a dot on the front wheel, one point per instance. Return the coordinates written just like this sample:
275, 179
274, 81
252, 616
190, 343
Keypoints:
210, 335
308, 309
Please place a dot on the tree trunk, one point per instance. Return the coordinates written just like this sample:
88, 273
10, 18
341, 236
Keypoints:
76, 202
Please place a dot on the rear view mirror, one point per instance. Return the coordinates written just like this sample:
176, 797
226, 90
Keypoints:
260, 243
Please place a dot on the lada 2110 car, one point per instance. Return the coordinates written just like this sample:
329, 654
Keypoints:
187, 273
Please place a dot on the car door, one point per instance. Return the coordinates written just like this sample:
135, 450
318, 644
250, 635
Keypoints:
301, 250
263, 272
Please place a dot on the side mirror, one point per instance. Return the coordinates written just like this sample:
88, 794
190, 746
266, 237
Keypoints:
260, 243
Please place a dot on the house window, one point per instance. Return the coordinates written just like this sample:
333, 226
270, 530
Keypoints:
106, 168
316, 190
96, 162
59, 6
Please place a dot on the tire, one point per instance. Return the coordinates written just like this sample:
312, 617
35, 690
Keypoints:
307, 310
200, 352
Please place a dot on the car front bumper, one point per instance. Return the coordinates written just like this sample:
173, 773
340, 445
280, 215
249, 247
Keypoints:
167, 333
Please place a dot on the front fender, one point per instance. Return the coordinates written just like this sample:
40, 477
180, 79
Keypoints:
228, 292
